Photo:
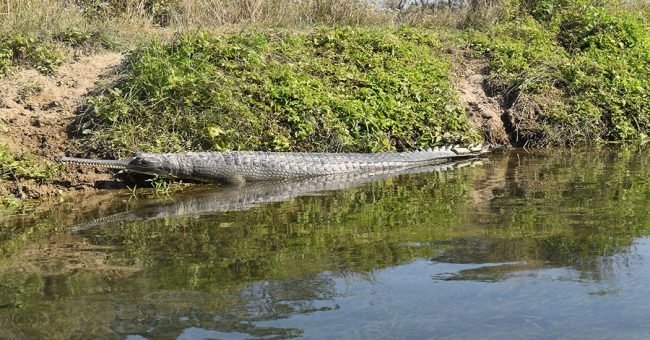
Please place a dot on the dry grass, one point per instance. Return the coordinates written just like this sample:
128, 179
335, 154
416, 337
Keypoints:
51, 14
128, 22
642, 7
282, 13
442, 14
29, 16
46, 20
134, 19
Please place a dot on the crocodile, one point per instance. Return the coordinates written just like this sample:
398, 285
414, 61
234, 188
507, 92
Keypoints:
238, 167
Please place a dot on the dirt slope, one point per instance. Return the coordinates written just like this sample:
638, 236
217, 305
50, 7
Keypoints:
37, 112
485, 112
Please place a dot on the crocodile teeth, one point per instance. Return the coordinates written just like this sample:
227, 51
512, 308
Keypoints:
461, 151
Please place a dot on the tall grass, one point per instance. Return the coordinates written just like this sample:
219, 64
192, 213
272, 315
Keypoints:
42, 33
284, 13
52, 15
48, 20
47, 17
447, 14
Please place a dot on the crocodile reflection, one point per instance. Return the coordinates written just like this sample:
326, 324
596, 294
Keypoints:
212, 200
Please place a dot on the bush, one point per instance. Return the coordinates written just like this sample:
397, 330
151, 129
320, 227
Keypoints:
579, 72
14, 171
342, 89
14, 167
28, 51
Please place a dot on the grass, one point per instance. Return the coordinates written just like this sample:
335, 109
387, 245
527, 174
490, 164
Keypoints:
574, 72
42, 34
15, 168
339, 89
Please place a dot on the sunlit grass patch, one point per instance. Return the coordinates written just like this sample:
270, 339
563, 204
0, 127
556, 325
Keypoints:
339, 89
20, 168
573, 71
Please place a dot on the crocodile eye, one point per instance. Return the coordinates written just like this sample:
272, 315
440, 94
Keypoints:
146, 160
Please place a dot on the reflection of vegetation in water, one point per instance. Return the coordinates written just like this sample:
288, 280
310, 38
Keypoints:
353, 230
523, 211
566, 208
356, 228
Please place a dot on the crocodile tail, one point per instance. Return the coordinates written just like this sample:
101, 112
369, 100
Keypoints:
103, 163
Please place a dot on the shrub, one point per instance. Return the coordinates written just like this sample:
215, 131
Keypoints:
29, 51
23, 167
580, 72
342, 89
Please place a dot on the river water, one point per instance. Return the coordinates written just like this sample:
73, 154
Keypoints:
529, 244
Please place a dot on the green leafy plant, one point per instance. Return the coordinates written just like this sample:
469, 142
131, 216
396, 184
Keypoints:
343, 89
577, 73
161, 186
29, 51
23, 167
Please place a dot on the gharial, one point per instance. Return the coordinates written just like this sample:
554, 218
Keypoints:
242, 166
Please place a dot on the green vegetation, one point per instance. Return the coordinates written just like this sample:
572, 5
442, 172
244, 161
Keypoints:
570, 71
573, 71
344, 89
23, 167
42, 34
28, 51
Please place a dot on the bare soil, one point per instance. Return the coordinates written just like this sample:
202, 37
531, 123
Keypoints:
37, 114
486, 112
